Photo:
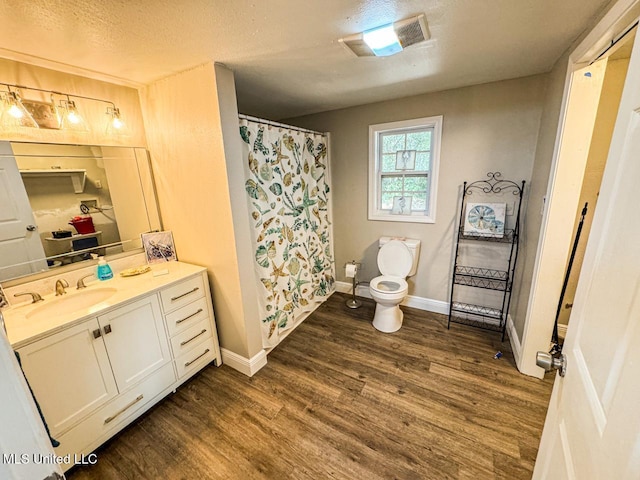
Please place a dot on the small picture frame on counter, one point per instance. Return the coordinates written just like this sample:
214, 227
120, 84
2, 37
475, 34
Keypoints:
159, 247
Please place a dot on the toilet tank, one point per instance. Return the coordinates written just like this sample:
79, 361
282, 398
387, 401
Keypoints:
412, 244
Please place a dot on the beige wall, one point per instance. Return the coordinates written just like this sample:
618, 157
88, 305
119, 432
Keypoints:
125, 98
182, 120
232, 142
537, 191
490, 127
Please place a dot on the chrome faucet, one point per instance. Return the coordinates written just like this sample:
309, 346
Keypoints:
35, 297
80, 285
61, 284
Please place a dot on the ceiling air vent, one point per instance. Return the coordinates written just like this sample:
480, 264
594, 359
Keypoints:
409, 31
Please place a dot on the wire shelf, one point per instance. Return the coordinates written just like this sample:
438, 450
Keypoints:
504, 255
478, 323
479, 316
480, 310
508, 236
482, 278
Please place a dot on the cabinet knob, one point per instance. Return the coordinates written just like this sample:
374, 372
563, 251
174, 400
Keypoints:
97, 333
107, 329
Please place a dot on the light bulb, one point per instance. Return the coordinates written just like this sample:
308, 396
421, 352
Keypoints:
15, 111
73, 117
72, 112
383, 41
116, 121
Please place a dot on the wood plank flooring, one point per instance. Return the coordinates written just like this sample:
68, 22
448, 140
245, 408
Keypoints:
340, 400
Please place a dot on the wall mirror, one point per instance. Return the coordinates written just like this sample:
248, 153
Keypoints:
59, 204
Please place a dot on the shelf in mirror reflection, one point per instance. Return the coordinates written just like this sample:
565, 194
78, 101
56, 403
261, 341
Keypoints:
78, 176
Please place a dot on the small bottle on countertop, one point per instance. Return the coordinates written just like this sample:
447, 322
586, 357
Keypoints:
103, 272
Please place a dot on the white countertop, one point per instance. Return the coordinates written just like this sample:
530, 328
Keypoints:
22, 330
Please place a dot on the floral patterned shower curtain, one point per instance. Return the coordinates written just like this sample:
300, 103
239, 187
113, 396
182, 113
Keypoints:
288, 192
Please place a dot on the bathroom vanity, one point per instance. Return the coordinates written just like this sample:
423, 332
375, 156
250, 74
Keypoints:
99, 357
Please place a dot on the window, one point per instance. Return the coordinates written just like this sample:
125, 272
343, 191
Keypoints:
403, 170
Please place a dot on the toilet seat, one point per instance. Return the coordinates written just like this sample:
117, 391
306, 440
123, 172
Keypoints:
387, 284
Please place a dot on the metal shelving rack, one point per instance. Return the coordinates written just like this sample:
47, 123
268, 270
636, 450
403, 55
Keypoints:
499, 279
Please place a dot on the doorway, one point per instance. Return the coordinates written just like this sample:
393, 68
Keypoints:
585, 79
611, 72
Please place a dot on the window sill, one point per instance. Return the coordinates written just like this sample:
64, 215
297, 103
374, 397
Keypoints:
402, 218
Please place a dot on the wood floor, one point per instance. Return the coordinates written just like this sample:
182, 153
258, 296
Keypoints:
340, 400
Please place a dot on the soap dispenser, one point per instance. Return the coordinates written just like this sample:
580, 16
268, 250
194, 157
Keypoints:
103, 271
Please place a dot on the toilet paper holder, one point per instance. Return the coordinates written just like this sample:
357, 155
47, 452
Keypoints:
353, 302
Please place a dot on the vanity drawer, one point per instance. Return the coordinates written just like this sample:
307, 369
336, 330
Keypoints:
115, 413
181, 294
187, 316
184, 341
196, 358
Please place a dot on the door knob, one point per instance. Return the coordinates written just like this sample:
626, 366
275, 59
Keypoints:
31, 228
549, 362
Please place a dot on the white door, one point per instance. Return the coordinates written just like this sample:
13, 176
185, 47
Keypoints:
136, 340
592, 429
19, 239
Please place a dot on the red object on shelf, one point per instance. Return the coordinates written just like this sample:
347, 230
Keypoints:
83, 224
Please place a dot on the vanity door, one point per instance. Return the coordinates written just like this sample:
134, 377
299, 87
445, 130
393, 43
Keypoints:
69, 374
136, 340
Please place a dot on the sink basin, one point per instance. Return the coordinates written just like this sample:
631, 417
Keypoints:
71, 303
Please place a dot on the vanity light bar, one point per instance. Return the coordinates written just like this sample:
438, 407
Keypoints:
14, 112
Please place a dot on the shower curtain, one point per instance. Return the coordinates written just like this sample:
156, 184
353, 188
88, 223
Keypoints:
288, 195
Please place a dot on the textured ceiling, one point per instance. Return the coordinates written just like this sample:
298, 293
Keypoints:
285, 53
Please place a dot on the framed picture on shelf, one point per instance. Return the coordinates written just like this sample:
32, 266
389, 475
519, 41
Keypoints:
485, 219
159, 247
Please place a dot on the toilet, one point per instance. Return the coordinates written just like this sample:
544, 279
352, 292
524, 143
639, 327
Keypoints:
397, 260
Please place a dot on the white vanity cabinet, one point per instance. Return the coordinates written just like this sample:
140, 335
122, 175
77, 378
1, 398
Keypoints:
79, 369
136, 340
70, 374
190, 325
96, 375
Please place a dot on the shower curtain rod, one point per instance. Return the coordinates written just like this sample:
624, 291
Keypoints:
277, 124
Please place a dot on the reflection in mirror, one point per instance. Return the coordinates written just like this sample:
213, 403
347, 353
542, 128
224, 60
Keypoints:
61, 204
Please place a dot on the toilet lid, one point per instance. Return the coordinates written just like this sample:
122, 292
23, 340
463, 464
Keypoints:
395, 259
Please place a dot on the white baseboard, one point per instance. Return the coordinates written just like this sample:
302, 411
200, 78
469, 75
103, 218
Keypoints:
248, 366
428, 304
343, 287
421, 303
514, 340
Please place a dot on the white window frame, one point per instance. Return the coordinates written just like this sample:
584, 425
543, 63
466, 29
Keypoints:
375, 174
